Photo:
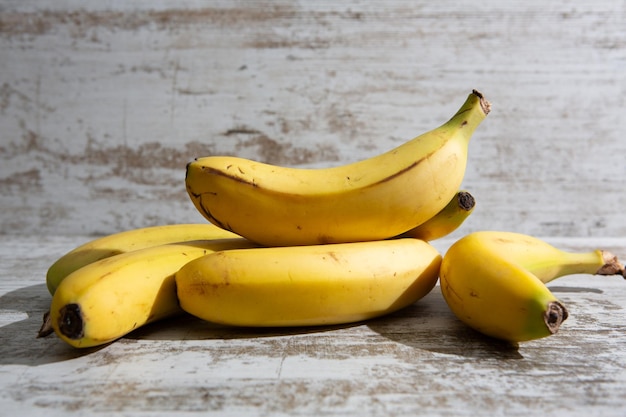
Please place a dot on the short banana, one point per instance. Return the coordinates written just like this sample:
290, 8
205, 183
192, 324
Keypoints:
495, 282
128, 241
449, 219
372, 199
308, 285
109, 298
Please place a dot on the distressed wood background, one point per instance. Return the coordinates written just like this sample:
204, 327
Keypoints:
103, 103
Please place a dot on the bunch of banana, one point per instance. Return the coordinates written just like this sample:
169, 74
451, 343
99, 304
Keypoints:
303, 247
373, 199
496, 282
108, 287
332, 265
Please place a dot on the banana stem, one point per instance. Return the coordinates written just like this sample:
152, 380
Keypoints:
598, 262
470, 114
612, 266
484, 104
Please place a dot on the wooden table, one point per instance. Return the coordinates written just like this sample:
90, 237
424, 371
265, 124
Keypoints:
419, 361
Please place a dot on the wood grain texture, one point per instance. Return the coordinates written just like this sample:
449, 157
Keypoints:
418, 361
102, 105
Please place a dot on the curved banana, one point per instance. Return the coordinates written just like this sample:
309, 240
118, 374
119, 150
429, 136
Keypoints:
495, 282
127, 241
308, 285
450, 218
109, 298
372, 199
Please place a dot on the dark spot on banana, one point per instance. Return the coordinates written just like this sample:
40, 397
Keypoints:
71, 322
220, 173
334, 256
400, 172
323, 239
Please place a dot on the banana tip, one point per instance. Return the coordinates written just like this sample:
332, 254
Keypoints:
71, 323
466, 200
484, 104
46, 327
555, 315
612, 265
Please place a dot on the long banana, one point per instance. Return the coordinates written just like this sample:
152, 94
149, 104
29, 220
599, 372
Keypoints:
495, 282
127, 241
308, 285
449, 219
372, 199
107, 299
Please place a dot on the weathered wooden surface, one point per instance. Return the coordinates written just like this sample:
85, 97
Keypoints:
419, 361
103, 104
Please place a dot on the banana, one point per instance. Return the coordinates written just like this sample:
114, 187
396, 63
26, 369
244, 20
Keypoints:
372, 199
109, 298
450, 218
308, 285
127, 241
495, 282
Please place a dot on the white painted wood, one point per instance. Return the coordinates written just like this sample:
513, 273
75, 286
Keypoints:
419, 361
102, 104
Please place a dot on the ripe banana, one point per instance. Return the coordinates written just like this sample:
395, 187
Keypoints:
109, 298
127, 241
372, 199
495, 282
308, 285
450, 218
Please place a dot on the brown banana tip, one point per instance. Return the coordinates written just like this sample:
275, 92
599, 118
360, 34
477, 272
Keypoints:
46, 327
466, 200
71, 323
484, 104
554, 316
612, 265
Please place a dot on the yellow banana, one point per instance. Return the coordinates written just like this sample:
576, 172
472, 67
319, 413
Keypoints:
372, 199
127, 241
109, 298
495, 282
450, 218
308, 285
